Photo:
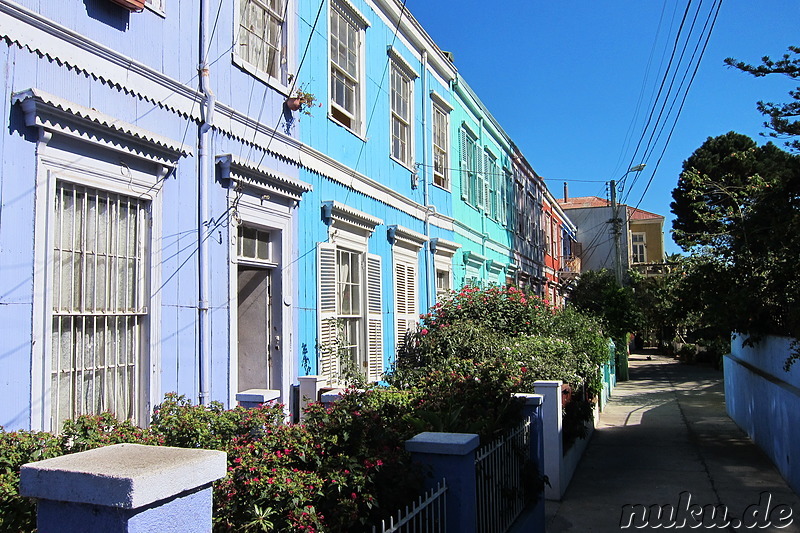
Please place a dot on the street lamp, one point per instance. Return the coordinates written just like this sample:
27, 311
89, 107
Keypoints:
616, 222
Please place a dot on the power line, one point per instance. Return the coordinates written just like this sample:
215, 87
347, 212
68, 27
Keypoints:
672, 130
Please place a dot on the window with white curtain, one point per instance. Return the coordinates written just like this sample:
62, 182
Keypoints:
100, 302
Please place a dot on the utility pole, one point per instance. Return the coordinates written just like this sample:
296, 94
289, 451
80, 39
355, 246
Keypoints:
616, 229
616, 223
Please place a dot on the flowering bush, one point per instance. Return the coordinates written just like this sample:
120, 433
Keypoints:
509, 337
362, 438
507, 311
16, 449
176, 422
94, 431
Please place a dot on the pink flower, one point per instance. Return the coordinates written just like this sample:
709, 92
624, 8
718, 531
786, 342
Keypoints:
424, 331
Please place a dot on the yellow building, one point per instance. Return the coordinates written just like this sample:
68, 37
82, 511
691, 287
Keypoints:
645, 241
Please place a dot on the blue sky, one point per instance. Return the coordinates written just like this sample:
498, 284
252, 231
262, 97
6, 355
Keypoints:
573, 82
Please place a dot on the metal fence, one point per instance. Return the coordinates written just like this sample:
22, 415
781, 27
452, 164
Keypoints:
427, 515
499, 471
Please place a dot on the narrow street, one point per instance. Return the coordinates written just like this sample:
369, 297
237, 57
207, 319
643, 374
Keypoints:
665, 432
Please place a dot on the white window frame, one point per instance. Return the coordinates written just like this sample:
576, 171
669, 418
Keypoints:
122, 159
401, 121
640, 245
57, 166
443, 252
401, 91
440, 145
280, 79
348, 14
157, 6
349, 231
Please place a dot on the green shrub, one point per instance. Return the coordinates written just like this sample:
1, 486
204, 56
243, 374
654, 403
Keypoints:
177, 422
94, 431
16, 449
361, 438
513, 338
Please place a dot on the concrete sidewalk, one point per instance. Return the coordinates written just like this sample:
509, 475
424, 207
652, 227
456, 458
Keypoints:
665, 432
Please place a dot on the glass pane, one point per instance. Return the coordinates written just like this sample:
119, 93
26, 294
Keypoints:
248, 242
262, 251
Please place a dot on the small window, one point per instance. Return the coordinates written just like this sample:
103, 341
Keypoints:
345, 67
442, 283
261, 39
441, 174
254, 244
638, 248
156, 5
401, 102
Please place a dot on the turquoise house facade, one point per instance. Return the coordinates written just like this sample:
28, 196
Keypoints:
377, 239
484, 206
262, 244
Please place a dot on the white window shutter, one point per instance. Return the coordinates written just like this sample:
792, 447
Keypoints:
328, 364
465, 170
374, 319
406, 308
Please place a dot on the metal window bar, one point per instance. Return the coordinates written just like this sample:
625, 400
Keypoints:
98, 302
427, 515
498, 471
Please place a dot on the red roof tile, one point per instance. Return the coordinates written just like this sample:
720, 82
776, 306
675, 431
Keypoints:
580, 202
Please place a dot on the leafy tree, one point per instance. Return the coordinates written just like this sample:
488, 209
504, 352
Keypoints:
658, 301
737, 208
781, 117
597, 292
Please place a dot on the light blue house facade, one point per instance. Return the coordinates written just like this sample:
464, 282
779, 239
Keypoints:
377, 237
150, 195
169, 223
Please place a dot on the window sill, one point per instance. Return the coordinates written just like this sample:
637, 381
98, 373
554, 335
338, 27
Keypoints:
160, 12
406, 166
357, 134
251, 69
446, 189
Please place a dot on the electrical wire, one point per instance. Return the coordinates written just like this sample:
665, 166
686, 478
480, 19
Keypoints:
668, 99
672, 130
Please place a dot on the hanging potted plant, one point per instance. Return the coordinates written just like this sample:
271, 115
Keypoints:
131, 5
302, 101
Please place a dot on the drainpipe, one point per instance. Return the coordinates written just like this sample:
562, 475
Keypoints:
204, 167
429, 287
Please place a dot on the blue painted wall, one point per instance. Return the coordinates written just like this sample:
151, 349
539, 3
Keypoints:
764, 400
167, 48
368, 155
